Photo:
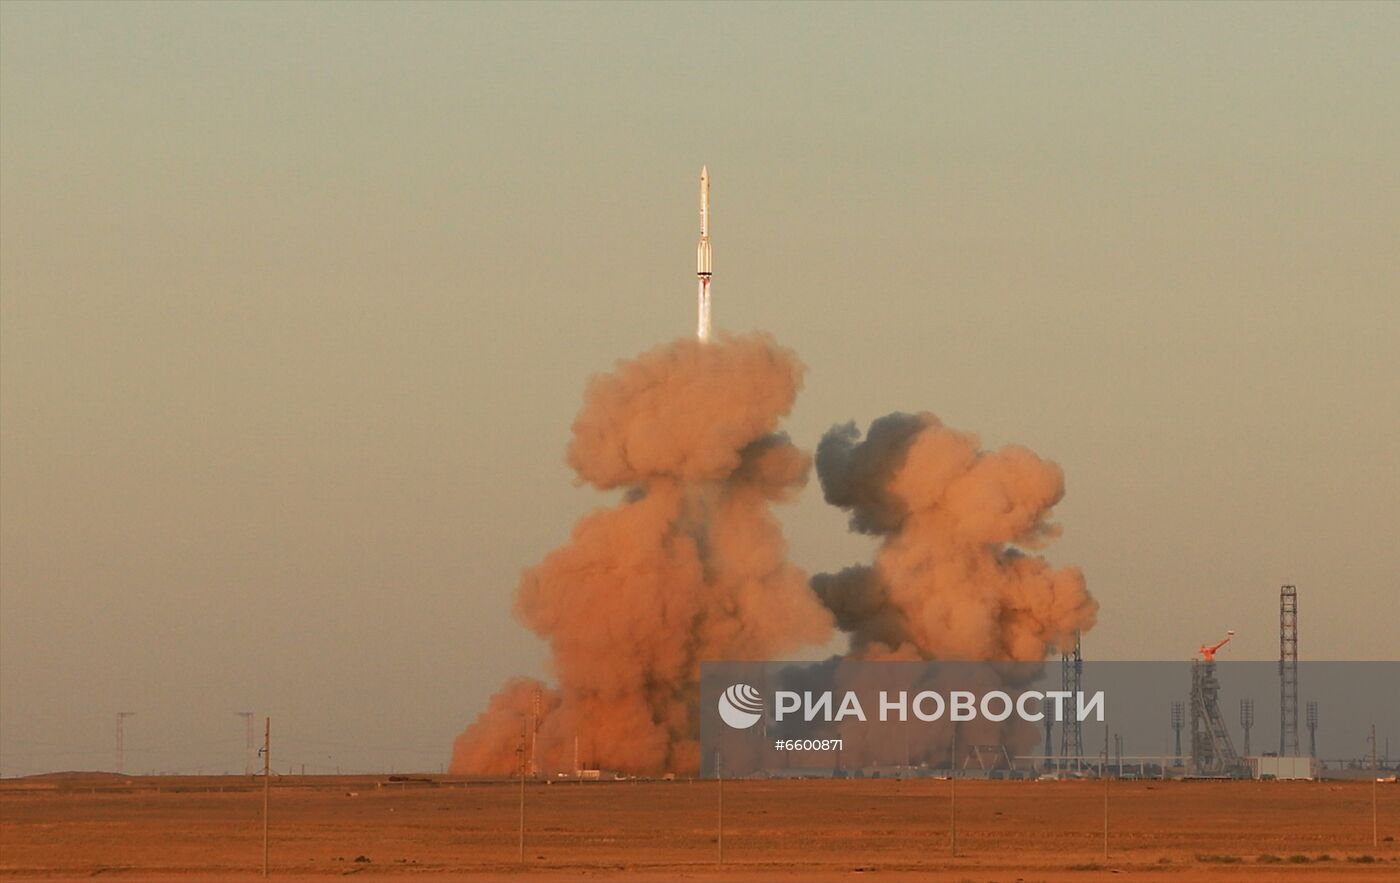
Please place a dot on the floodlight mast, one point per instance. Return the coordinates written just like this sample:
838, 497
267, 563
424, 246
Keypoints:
121, 740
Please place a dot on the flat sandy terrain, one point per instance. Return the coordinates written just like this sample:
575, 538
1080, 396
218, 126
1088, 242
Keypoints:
445, 829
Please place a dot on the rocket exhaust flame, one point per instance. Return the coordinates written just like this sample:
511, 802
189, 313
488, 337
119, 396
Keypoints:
702, 328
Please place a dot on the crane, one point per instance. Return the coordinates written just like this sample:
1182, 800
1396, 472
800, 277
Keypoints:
1208, 653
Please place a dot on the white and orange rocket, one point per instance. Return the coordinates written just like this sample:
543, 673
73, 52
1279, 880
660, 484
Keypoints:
702, 259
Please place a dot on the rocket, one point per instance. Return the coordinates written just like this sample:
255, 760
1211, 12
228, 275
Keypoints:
702, 259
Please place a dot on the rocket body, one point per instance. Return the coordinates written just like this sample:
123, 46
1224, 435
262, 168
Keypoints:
703, 268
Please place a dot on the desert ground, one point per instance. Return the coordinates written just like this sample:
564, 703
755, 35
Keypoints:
210, 829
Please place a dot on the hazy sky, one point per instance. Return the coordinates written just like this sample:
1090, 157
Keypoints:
297, 303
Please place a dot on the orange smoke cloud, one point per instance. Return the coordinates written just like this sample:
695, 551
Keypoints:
690, 565
951, 579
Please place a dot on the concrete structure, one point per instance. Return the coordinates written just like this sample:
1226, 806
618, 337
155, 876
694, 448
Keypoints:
1272, 767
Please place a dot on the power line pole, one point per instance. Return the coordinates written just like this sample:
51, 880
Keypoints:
534, 735
1105, 789
520, 755
267, 783
1375, 830
953, 793
719, 772
121, 739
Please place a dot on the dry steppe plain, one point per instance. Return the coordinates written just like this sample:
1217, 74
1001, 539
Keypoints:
443, 828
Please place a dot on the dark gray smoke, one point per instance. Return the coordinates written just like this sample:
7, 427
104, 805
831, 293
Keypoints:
952, 578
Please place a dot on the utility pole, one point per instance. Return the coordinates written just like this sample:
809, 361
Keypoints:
1105, 789
534, 735
248, 741
719, 773
121, 740
267, 783
953, 793
1375, 830
520, 754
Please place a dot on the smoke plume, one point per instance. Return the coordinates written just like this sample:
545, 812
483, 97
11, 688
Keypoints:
951, 578
689, 565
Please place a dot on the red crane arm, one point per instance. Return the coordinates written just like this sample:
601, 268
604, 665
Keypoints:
1208, 653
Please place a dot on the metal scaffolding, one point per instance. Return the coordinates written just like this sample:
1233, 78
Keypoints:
1288, 671
1178, 722
1212, 749
1072, 680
